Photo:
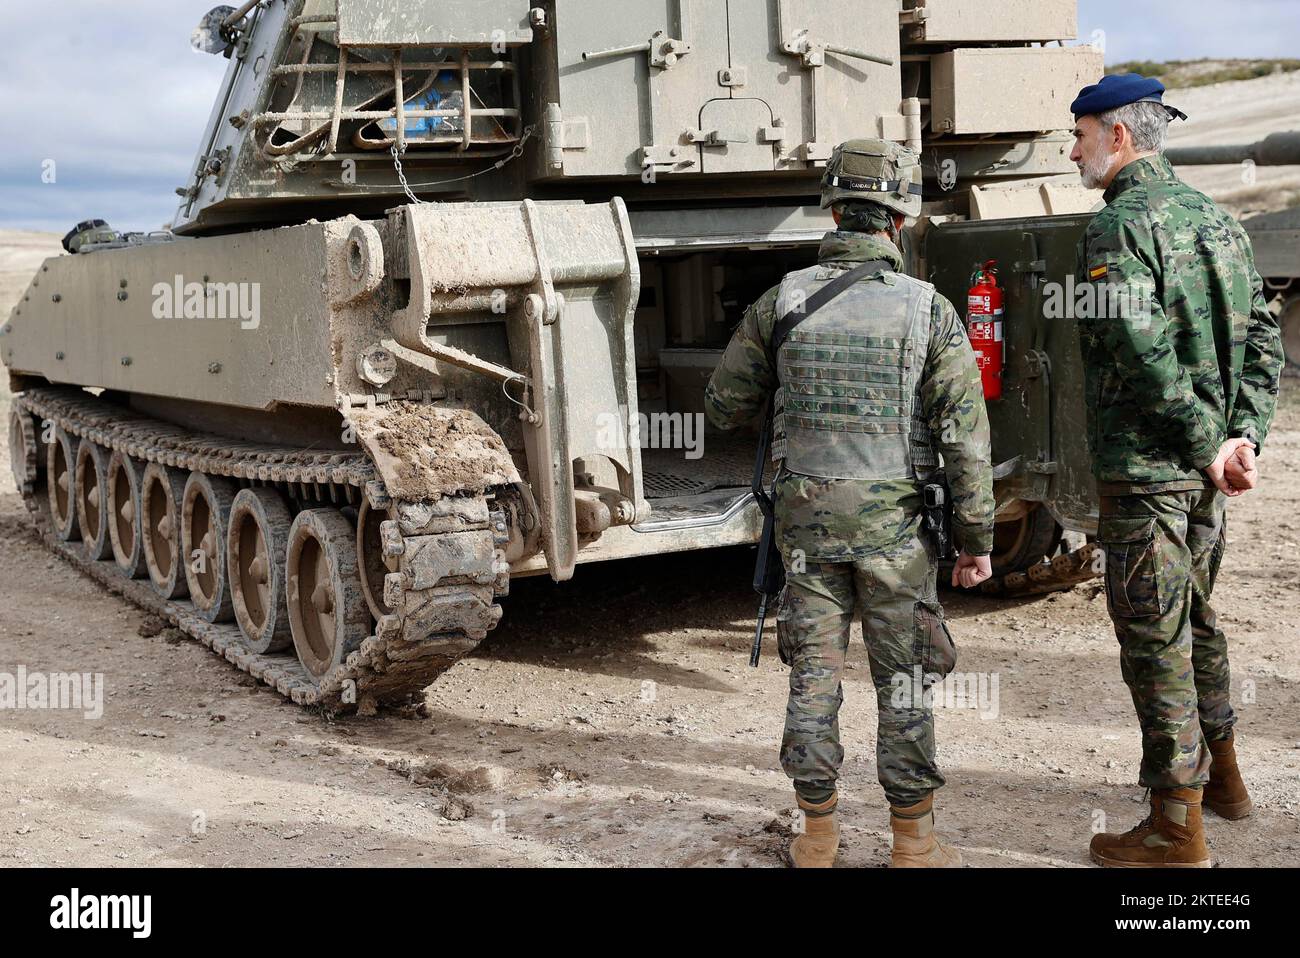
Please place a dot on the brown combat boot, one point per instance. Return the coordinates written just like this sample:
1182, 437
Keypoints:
1226, 794
1172, 836
820, 840
915, 844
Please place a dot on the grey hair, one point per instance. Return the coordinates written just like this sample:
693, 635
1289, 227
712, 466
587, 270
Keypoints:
1147, 122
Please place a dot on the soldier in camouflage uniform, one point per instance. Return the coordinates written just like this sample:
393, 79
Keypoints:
868, 391
1182, 360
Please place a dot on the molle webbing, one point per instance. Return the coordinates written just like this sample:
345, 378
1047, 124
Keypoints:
849, 406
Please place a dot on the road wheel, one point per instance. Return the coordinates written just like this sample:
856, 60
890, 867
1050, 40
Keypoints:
22, 448
256, 548
124, 481
205, 517
1025, 540
160, 518
92, 500
327, 608
370, 557
60, 467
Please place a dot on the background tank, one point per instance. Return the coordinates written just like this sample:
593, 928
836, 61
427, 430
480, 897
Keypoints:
449, 279
1275, 236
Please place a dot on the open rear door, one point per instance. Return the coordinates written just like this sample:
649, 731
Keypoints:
1039, 423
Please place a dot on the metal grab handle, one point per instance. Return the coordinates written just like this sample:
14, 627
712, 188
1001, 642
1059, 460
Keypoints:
664, 51
617, 52
801, 45
860, 55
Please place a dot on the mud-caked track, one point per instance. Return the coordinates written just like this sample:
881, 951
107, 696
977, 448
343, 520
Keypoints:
296, 566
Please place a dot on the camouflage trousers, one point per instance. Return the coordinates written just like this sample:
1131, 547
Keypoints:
903, 627
1162, 557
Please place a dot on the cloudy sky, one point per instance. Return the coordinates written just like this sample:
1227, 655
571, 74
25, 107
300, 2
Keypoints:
113, 95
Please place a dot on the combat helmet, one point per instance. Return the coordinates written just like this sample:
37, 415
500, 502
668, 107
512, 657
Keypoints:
874, 171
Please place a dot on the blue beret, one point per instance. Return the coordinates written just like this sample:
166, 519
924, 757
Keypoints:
1121, 89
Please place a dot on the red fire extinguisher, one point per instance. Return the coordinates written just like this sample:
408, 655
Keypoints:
984, 326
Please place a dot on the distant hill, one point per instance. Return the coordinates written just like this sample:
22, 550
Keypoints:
1181, 74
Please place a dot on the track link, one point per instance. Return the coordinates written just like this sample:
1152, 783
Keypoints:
1061, 573
445, 560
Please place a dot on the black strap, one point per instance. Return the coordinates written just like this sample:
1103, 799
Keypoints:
874, 185
787, 323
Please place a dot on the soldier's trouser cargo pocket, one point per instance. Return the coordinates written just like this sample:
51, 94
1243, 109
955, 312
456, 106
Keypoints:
783, 611
1133, 580
936, 651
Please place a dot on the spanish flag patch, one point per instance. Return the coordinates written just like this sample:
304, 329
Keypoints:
1097, 272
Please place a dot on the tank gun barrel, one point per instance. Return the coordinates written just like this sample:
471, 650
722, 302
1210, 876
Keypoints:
1278, 149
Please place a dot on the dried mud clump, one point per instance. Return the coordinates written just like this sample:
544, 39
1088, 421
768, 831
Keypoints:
427, 452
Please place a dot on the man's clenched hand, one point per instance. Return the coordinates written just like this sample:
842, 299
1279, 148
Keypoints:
1233, 470
971, 570
1240, 469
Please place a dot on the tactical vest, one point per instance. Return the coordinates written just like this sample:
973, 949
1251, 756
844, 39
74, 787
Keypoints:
849, 403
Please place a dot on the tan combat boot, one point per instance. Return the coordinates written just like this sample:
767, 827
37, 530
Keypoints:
915, 843
1172, 836
820, 840
1226, 794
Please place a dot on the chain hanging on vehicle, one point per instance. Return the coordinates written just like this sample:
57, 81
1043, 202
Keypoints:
514, 154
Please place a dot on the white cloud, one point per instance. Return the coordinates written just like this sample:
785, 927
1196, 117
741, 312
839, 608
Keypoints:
1192, 29
114, 95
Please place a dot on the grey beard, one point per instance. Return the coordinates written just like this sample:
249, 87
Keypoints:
1094, 173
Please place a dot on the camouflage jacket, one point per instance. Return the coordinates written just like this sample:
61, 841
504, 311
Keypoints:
838, 520
1180, 352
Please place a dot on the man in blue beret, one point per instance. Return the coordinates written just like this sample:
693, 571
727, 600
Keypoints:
1182, 363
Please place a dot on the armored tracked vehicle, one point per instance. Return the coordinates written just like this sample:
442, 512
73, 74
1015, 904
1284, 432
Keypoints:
448, 279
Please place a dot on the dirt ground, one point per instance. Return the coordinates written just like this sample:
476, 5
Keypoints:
613, 720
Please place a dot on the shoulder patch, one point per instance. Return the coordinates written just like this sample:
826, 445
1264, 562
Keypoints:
1098, 272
